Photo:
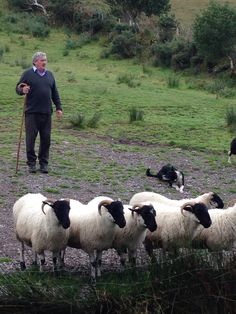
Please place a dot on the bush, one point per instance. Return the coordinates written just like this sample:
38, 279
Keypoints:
173, 80
93, 122
176, 53
125, 45
128, 79
135, 115
77, 121
167, 27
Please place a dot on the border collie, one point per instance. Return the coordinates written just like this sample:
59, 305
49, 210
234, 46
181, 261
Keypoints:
171, 175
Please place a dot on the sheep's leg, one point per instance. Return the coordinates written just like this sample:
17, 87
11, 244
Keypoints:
93, 263
122, 258
54, 260
35, 259
22, 257
62, 257
42, 261
99, 263
149, 248
132, 257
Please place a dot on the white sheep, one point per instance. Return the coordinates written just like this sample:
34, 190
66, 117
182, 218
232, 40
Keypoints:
139, 219
93, 227
176, 226
43, 225
222, 233
209, 199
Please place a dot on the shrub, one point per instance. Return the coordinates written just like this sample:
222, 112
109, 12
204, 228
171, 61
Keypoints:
37, 26
124, 45
77, 121
167, 27
128, 79
220, 88
173, 80
93, 122
135, 115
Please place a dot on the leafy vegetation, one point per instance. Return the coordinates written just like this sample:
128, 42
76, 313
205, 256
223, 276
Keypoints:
214, 31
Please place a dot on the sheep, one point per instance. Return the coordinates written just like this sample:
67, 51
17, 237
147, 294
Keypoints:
93, 227
222, 233
43, 225
209, 199
170, 174
232, 150
176, 226
139, 219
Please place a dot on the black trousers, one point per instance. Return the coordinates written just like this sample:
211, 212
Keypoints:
37, 123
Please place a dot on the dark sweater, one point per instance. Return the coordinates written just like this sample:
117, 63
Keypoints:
42, 92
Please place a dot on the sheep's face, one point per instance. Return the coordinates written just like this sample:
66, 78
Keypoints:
148, 213
116, 210
61, 209
217, 201
201, 212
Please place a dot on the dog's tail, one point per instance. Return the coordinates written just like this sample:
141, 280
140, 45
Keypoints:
149, 174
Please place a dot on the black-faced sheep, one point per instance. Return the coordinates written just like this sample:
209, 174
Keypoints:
93, 228
139, 219
176, 226
43, 225
222, 233
210, 199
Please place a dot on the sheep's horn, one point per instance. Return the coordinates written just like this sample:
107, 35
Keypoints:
103, 203
47, 202
187, 204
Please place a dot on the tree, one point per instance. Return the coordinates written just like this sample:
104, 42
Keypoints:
214, 32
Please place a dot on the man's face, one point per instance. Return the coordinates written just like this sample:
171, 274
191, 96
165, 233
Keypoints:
41, 63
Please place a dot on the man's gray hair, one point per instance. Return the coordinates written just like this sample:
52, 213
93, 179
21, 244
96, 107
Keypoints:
37, 55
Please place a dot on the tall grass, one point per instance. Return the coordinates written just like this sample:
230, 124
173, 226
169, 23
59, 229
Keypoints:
186, 283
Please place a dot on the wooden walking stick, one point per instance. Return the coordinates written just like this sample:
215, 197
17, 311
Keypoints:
21, 129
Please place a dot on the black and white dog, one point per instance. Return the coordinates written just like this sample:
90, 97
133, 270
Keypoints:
171, 175
232, 150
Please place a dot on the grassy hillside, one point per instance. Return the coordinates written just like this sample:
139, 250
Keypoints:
186, 10
175, 116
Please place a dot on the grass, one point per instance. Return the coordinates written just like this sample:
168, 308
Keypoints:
179, 117
155, 288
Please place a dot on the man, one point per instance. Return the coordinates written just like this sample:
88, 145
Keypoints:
39, 86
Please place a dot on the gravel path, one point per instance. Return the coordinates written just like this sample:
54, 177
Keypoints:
203, 171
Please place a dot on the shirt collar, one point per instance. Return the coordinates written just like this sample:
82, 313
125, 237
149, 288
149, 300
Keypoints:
35, 70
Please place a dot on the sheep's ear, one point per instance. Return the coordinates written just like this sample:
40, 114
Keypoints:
188, 208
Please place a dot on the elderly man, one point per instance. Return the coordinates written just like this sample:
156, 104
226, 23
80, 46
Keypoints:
40, 87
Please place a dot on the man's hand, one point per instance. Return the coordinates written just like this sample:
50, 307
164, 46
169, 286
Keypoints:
24, 87
59, 114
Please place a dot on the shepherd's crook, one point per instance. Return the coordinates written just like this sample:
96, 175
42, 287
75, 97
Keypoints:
21, 129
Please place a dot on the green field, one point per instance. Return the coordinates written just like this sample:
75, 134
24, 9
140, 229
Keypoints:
173, 116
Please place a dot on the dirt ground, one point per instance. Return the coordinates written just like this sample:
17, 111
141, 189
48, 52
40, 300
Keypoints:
200, 176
